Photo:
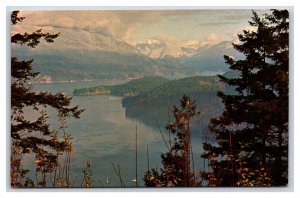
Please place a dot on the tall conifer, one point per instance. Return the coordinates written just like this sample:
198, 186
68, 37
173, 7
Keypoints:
27, 135
252, 132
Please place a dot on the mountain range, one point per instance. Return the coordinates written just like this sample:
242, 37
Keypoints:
84, 55
159, 49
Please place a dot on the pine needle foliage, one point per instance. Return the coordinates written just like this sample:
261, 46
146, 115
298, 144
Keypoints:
29, 136
253, 129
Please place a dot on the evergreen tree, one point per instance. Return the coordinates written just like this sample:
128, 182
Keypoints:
176, 161
252, 132
29, 136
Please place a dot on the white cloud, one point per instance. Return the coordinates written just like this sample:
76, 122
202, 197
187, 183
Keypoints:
121, 24
173, 41
171, 45
212, 38
233, 35
124, 25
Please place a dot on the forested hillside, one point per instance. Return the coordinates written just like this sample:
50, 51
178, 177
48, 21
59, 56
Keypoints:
131, 88
154, 106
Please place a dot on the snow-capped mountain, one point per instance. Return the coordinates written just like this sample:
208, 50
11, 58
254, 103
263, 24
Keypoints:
80, 55
151, 48
159, 49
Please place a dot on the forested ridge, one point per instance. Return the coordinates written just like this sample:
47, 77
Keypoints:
154, 86
131, 88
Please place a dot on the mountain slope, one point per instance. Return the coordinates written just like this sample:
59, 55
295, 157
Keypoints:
87, 55
83, 55
211, 58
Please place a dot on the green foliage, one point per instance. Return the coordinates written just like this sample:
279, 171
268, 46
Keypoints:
188, 85
33, 136
253, 129
155, 86
131, 88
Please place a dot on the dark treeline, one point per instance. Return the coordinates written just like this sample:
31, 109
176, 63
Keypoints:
131, 88
155, 86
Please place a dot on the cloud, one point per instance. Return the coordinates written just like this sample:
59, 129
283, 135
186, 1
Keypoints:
127, 24
167, 38
233, 34
121, 24
172, 43
218, 23
212, 38
128, 35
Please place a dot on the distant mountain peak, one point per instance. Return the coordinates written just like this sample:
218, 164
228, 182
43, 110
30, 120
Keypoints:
152, 41
157, 49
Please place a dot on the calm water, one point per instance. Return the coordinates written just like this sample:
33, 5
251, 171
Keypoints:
103, 135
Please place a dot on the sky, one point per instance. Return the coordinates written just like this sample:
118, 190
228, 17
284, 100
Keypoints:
137, 26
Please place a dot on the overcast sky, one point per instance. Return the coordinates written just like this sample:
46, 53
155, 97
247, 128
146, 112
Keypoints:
140, 25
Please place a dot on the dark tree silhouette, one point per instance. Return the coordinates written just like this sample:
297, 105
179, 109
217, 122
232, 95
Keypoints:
34, 136
176, 161
252, 132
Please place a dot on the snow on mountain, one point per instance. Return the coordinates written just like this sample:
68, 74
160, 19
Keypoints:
159, 49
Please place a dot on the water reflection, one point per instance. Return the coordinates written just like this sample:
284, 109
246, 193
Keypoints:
104, 135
